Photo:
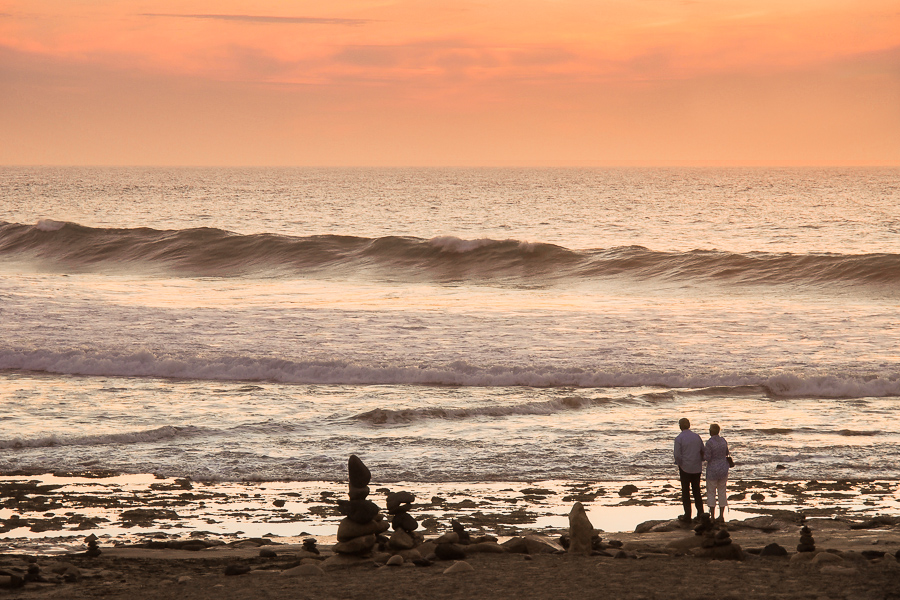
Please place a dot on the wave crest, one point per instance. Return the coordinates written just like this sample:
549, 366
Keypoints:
208, 252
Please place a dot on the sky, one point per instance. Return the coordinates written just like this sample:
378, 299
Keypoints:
438, 82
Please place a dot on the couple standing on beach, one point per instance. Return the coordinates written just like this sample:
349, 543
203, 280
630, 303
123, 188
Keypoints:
690, 453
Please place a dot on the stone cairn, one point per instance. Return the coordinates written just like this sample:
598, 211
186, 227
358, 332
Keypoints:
405, 536
807, 543
362, 521
93, 548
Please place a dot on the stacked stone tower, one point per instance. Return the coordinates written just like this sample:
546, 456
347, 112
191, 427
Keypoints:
362, 522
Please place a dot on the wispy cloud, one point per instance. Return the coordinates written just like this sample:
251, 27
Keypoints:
264, 19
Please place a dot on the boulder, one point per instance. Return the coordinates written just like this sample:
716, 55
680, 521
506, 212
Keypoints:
541, 544
359, 493
822, 558
486, 547
580, 531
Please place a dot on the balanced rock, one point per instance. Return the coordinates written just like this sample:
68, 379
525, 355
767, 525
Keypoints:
357, 545
404, 521
359, 473
807, 543
580, 531
398, 502
361, 511
347, 530
458, 529
401, 540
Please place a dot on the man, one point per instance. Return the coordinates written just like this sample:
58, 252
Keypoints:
689, 458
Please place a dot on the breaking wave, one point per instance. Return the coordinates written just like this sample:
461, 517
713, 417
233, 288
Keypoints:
151, 435
208, 252
457, 373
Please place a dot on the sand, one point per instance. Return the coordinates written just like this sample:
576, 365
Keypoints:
658, 565
46, 519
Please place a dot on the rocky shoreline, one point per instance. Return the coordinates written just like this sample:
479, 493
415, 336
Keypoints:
443, 547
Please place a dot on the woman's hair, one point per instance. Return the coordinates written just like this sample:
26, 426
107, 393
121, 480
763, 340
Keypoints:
714, 429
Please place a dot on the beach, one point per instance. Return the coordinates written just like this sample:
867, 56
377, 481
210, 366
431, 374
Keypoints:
171, 560
154, 541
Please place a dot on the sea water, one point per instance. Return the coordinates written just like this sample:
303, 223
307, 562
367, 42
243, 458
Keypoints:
448, 325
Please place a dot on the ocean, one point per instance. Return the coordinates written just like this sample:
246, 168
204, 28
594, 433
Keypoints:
448, 325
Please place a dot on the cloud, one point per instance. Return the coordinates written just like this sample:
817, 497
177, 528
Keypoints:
264, 19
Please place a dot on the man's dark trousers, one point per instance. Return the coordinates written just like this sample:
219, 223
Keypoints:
690, 482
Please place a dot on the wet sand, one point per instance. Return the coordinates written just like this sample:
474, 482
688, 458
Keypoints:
173, 538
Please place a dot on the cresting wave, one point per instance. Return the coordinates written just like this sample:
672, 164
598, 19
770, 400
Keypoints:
385, 416
153, 435
458, 373
206, 252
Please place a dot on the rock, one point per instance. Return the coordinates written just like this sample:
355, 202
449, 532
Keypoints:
627, 490
729, 552
450, 552
580, 531
268, 553
838, 570
398, 502
349, 529
359, 493
464, 537
359, 545
873, 554
516, 545
430, 523
404, 521
826, 557
306, 570
451, 537
400, 540
344, 561
278, 503
458, 567
410, 555
757, 497
395, 561
236, 569
183, 579
686, 543
360, 476
774, 549
646, 526
361, 511
541, 544
486, 547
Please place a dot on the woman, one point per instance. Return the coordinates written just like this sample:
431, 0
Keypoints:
716, 453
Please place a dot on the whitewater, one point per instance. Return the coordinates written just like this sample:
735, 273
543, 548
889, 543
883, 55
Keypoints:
448, 324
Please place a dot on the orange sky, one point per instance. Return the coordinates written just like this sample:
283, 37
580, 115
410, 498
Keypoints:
433, 82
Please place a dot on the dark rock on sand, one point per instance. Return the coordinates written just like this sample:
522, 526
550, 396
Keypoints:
773, 549
450, 552
278, 503
236, 569
580, 531
458, 529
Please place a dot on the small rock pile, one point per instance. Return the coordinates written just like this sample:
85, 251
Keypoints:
309, 544
717, 545
362, 522
93, 548
807, 543
404, 525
